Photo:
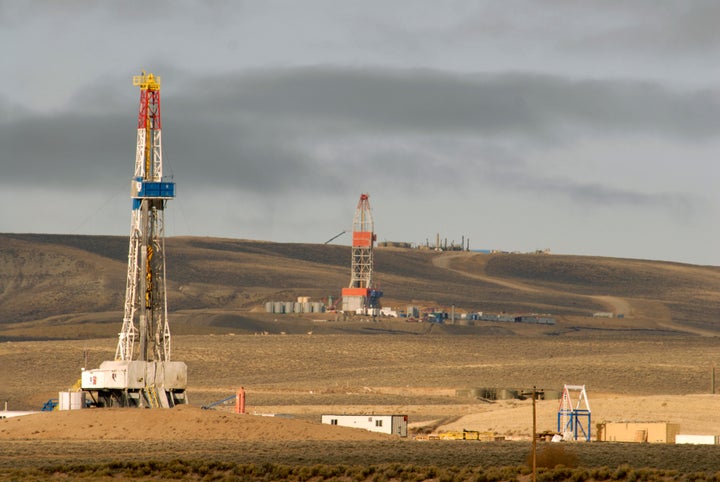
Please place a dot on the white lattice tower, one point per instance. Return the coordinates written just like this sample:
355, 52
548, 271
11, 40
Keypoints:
145, 333
574, 406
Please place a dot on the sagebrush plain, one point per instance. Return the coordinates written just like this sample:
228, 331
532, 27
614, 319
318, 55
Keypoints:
61, 298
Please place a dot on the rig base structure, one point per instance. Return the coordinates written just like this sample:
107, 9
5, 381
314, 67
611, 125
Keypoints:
142, 384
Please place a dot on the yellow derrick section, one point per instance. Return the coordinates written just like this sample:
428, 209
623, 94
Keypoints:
146, 81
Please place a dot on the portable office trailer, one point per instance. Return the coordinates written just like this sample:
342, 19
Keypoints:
697, 439
391, 424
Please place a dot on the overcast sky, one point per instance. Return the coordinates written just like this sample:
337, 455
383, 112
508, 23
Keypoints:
587, 128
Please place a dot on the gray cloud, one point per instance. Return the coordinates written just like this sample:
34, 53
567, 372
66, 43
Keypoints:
304, 128
421, 101
589, 193
463, 115
686, 28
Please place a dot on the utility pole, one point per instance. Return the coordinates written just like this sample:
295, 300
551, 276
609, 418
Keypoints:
534, 438
712, 379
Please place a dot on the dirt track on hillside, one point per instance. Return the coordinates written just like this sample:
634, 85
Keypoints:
628, 307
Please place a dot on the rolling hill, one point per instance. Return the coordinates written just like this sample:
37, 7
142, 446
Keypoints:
66, 286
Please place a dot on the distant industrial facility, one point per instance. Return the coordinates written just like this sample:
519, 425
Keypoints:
302, 305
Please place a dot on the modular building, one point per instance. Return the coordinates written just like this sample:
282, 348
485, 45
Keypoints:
651, 432
15, 413
697, 439
391, 424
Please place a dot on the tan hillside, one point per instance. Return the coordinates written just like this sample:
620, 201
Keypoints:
60, 311
62, 286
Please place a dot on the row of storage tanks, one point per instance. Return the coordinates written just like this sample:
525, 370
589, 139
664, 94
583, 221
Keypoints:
281, 307
506, 393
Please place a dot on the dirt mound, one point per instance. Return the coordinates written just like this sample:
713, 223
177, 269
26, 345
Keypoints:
180, 423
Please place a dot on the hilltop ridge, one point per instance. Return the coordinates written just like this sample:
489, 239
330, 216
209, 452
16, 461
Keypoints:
78, 282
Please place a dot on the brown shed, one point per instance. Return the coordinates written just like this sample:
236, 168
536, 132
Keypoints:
651, 432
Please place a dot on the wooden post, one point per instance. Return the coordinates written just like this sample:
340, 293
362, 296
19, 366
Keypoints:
712, 379
534, 438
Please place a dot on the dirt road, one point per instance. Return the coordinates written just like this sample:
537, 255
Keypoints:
629, 307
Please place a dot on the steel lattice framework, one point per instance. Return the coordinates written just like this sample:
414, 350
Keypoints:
574, 418
363, 237
145, 333
361, 294
142, 375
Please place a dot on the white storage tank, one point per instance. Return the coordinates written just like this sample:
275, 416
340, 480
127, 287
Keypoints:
269, 307
71, 400
278, 307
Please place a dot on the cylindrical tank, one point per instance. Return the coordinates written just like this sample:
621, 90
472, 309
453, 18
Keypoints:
297, 307
278, 307
505, 394
71, 400
317, 307
552, 394
487, 393
289, 306
269, 307
307, 307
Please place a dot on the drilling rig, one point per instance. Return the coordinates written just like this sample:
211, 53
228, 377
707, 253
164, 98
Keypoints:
142, 375
361, 296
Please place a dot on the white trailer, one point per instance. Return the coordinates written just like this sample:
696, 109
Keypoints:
15, 413
696, 439
390, 424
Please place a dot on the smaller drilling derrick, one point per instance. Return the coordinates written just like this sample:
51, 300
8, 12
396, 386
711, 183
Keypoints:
361, 296
574, 413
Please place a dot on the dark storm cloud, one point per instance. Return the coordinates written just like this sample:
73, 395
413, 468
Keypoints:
389, 101
422, 125
71, 149
301, 129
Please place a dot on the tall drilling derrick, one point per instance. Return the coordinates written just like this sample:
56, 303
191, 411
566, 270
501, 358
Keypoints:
361, 296
142, 374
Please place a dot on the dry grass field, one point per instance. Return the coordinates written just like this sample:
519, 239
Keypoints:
641, 378
59, 310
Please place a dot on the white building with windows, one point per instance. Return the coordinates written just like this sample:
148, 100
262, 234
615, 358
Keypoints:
392, 424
